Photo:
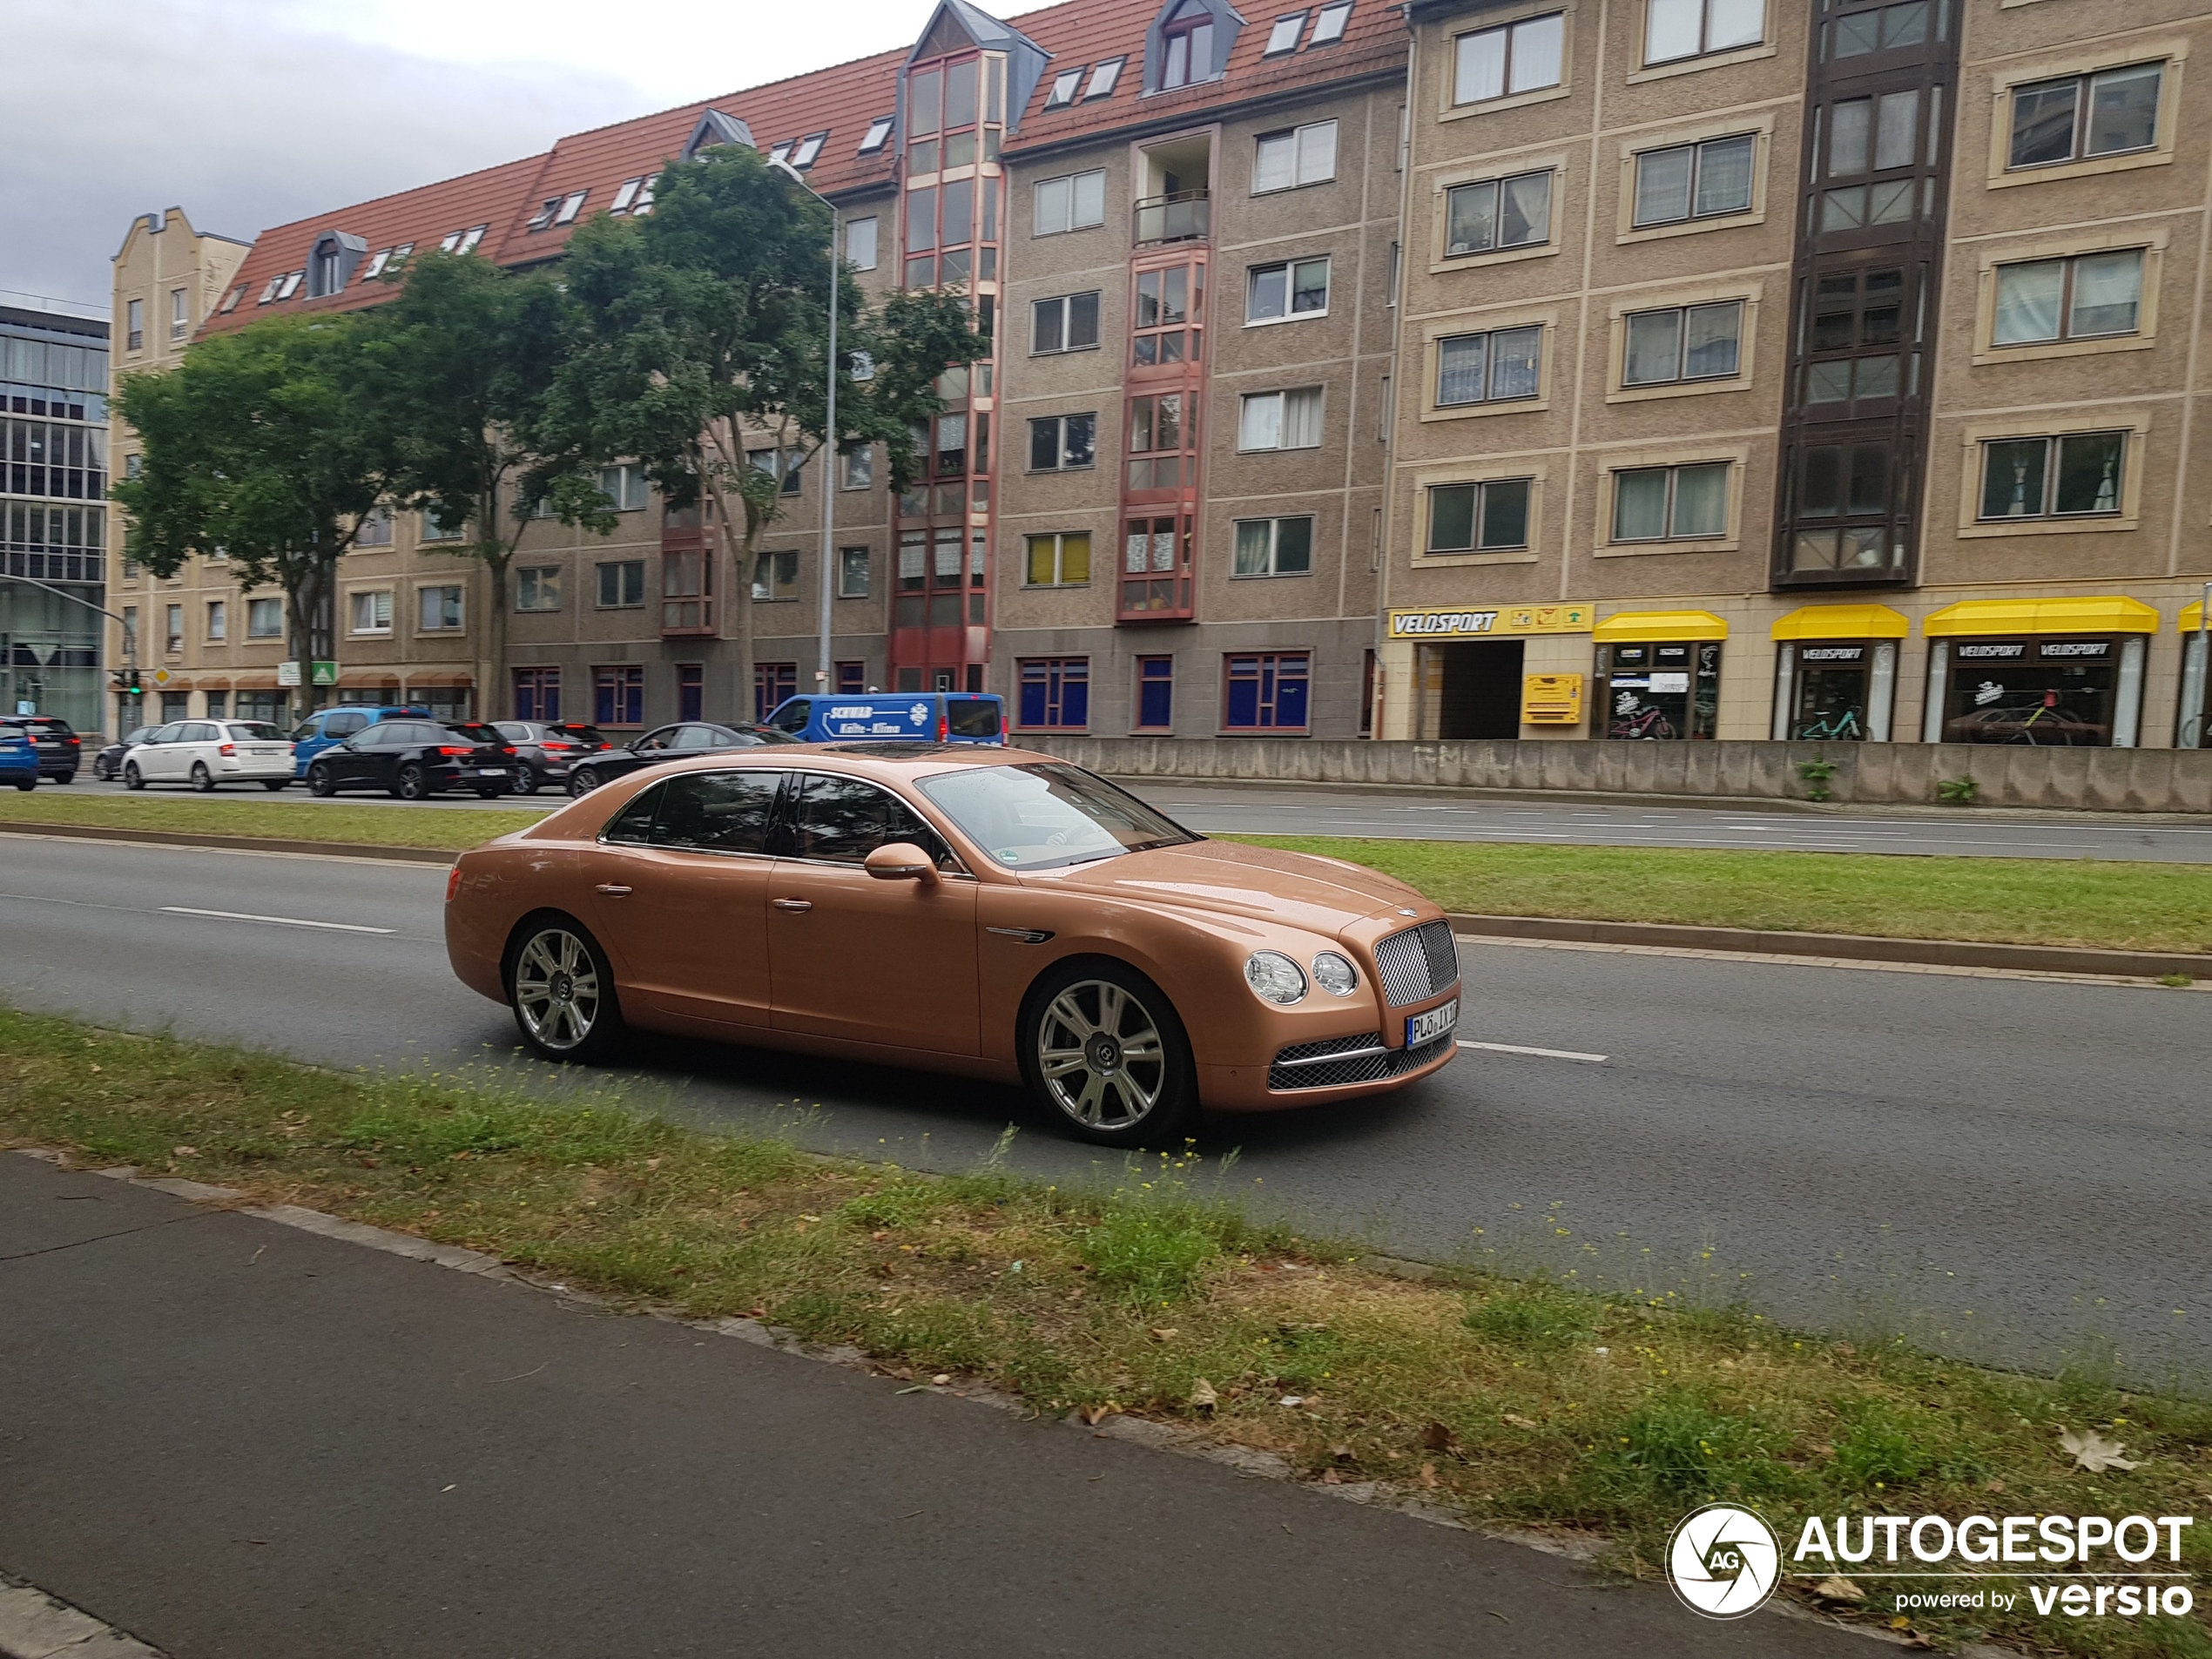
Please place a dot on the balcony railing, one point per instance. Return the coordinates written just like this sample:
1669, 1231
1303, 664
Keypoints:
1184, 216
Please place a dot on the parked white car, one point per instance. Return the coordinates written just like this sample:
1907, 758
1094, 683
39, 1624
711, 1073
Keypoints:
206, 752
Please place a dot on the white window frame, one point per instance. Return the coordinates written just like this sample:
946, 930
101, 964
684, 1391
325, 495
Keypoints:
1512, 33
257, 609
1067, 192
1329, 25
1254, 410
1681, 314
378, 616
1066, 304
218, 621
1274, 523
847, 587
859, 242
542, 578
1278, 41
1312, 152
632, 493
459, 598
856, 467
1655, 9
1288, 268
1059, 540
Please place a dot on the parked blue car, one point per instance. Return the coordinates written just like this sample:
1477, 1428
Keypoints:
18, 758
894, 717
326, 728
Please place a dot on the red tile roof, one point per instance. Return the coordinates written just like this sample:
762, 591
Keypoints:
844, 98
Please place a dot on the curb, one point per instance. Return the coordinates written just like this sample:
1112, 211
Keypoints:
230, 843
34, 1625
1936, 953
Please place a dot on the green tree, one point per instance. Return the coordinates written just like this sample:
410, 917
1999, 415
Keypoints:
260, 446
466, 358
706, 323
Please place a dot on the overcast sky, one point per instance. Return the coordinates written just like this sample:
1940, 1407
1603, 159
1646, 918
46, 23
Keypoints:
248, 113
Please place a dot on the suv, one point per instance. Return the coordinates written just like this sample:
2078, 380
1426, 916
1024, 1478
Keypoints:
685, 740
910, 717
414, 759
58, 747
546, 751
326, 727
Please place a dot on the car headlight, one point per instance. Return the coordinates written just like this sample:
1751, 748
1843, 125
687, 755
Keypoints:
1334, 974
1274, 977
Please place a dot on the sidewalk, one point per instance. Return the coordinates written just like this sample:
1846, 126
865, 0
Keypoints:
235, 1438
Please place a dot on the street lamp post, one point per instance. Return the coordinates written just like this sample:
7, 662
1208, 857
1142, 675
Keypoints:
829, 429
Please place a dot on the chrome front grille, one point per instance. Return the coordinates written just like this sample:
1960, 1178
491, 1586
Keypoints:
1417, 963
1348, 1060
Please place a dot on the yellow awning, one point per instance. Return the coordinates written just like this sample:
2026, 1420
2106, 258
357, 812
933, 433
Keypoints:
1633, 625
2193, 617
1842, 621
2118, 615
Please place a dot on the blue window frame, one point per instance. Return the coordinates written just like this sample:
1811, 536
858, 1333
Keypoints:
1155, 693
1265, 691
1056, 692
618, 695
537, 694
771, 683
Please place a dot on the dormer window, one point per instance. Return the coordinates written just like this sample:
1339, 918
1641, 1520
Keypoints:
809, 148
625, 196
1328, 28
331, 263
1104, 78
878, 135
1190, 46
1064, 88
328, 276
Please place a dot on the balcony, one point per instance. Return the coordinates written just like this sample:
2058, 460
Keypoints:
1186, 216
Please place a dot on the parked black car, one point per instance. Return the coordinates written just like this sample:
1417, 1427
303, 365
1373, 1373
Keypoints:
107, 766
414, 759
678, 742
58, 747
547, 751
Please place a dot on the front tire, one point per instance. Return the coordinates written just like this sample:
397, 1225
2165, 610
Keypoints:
414, 783
561, 991
202, 780
1105, 1050
132, 778
276, 785
28, 784
65, 777
529, 782
583, 782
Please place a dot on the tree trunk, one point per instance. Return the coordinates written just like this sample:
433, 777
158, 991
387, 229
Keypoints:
737, 625
494, 702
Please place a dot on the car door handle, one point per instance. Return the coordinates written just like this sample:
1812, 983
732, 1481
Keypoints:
793, 904
612, 889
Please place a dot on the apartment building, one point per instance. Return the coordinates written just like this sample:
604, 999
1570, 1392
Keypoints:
53, 527
1825, 370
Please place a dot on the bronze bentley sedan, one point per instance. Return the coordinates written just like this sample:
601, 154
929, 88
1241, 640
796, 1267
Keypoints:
995, 913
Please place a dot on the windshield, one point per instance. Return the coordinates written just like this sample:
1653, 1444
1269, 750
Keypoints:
1042, 815
257, 731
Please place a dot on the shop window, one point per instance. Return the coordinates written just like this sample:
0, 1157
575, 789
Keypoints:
1670, 503
1523, 56
1700, 343
1498, 213
853, 566
1065, 323
1498, 367
1266, 690
2078, 475
1155, 693
1296, 156
2081, 298
1674, 29
2085, 116
1275, 546
1833, 691
1846, 495
537, 587
1280, 420
618, 695
1290, 289
1479, 518
1062, 442
1662, 690
1061, 559
775, 577
1692, 181
1054, 693
1166, 300
2070, 692
622, 584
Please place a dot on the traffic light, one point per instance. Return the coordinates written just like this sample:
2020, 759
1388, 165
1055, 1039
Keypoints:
126, 682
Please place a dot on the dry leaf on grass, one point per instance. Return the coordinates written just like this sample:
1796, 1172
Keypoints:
1164, 1333
2091, 1451
1203, 1398
1092, 1415
1438, 1437
1838, 1590
1427, 1476
1518, 1420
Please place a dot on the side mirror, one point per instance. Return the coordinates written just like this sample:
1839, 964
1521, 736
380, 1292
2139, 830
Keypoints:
900, 861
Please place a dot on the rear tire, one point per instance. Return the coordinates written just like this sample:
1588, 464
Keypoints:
66, 777
529, 783
561, 990
583, 782
132, 778
273, 785
1102, 1048
489, 795
202, 780
320, 783
28, 784
414, 783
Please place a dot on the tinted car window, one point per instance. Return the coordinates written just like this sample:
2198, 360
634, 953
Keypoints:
1040, 816
656, 740
390, 734
474, 731
842, 820
790, 717
721, 811
972, 717
203, 732
254, 732
138, 736
344, 725
634, 823
696, 737
165, 733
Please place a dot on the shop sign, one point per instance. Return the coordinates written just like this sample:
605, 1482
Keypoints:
288, 674
2095, 650
1505, 619
1551, 699
1982, 650
1831, 653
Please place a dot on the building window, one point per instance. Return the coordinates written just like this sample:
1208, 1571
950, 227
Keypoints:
1660, 690
135, 336
1064, 88
860, 243
624, 486
1283, 38
180, 314
1843, 508
1701, 343
856, 467
618, 695
1498, 213
1060, 442
372, 611
2079, 475
782, 464
1266, 690
686, 590
1296, 156
852, 564
439, 609
1155, 693
1329, 26
1692, 181
1056, 693
1059, 561
374, 529
1074, 201
2088, 296
1066, 322
1159, 437
878, 135
1853, 310
537, 694
1674, 29
852, 678
691, 689
1275, 546
1167, 300
1670, 503
771, 683
219, 621
1479, 518
1523, 56
173, 629
1187, 47
436, 528
1499, 367
1293, 288
264, 618
537, 587
622, 584
1280, 420
1104, 79
2106, 114
775, 577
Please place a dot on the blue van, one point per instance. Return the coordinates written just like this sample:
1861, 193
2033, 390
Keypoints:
877, 717
326, 728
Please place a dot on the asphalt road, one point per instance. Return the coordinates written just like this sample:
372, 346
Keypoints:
2003, 1168
1237, 809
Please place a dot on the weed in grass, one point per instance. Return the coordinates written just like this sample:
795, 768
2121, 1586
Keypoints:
1682, 1446
1535, 1315
1150, 1255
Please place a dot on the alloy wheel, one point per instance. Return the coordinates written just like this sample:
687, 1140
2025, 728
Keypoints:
1101, 1055
556, 989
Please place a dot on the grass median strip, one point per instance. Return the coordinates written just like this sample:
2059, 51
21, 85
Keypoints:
1514, 1403
2018, 901
439, 830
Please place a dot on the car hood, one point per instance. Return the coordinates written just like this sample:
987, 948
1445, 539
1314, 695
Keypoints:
1295, 889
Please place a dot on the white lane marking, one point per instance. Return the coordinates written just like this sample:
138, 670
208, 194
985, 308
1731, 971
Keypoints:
1544, 1053
281, 921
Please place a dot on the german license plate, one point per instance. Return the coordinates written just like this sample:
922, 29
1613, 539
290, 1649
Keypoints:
1426, 1027
491, 771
